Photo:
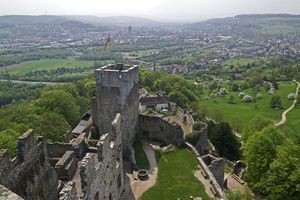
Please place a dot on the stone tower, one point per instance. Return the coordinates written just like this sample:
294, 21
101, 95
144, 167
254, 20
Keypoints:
117, 92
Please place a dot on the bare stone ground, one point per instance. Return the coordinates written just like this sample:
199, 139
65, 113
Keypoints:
135, 188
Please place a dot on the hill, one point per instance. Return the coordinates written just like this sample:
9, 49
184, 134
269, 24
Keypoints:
251, 25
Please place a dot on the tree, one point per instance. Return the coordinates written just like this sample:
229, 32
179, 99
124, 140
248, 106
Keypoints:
259, 153
256, 124
283, 177
275, 102
52, 126
225, 142
235, 87
60, 102
231, 100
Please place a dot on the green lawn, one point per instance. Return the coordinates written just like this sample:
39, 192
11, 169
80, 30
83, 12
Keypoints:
140, 156
240, 113
46, 64
176, 177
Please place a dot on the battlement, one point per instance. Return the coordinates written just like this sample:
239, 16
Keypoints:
117, 75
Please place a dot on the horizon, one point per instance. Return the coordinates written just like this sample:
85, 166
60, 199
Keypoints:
149, 18
163, 11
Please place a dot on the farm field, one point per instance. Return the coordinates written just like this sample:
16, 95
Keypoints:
240, 113
239, 61
176, 178
45, 64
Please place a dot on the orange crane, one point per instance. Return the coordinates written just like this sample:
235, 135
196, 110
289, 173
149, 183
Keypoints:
107, 44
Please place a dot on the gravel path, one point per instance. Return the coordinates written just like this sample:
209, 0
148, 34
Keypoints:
283, 115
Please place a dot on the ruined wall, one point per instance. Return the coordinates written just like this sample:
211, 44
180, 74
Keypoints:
29, 174
202, 145
215, 186
117, 92
216, 166
102, 172
186, 118
68, 192
159, 129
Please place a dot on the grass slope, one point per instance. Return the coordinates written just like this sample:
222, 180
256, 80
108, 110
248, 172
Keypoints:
46, 64
176, 177
240, 113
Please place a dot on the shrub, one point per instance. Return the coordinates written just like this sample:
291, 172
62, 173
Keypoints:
242, 94
247, 99
291, 96
259, 96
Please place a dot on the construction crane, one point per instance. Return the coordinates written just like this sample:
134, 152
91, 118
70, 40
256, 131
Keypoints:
107, 44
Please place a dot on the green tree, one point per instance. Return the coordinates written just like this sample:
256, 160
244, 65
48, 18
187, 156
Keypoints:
259, 153
283, 177
60, 102
225, 142
275, 102
235, 87
52, 126
255, 124
231, 100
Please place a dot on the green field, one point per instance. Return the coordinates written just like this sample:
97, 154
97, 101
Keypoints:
176, 178
239, 61
46, 64
240, 113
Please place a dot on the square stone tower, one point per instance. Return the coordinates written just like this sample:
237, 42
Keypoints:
117, 91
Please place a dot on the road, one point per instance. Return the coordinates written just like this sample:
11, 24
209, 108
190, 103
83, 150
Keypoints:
283, 115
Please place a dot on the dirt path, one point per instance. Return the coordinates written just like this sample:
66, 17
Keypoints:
204, 181
139, 187
283, 115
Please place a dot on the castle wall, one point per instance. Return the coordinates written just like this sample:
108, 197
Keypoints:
202, 145
117, 92
186, 118
156, 128
102, 172
29, 174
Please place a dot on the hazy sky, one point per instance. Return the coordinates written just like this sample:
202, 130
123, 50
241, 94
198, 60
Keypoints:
169, 10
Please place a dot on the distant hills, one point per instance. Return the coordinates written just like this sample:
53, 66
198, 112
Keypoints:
94, 20
255, 24
246, 24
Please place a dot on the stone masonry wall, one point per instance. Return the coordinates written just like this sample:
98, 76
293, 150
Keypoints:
159, 129
202, 145
29, 174
102, 172
186, 118
117, 92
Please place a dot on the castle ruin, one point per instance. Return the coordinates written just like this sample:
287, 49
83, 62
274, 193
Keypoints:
89, 164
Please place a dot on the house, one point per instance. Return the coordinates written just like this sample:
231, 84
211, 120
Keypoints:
157, 103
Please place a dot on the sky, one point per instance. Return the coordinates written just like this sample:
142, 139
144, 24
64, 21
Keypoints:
162, 10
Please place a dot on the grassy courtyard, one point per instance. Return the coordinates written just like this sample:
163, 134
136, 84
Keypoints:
240, 113
176, 177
